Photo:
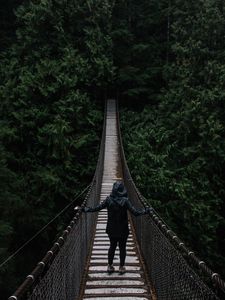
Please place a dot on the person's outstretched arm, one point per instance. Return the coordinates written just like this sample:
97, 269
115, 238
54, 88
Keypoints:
97, 208
137, 212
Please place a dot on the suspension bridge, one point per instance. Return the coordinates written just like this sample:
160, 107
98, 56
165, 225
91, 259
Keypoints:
158, 264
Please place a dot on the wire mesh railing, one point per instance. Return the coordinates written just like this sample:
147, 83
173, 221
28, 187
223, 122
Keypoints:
173, 269
59, 274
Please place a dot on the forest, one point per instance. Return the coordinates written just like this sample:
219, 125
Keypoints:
59, 60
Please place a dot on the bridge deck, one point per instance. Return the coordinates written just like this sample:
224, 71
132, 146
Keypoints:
100, 284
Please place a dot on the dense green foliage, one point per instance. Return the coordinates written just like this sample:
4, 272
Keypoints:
7, 22
175, 145
165, 59
52, 78
140, 40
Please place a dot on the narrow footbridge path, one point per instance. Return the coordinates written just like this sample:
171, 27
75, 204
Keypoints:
100, 284
159, 265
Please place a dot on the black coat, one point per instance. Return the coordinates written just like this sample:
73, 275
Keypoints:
117, 206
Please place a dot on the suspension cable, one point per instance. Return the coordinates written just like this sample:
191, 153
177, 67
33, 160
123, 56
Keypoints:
43, 228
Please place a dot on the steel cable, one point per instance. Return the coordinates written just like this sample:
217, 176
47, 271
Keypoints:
42, 229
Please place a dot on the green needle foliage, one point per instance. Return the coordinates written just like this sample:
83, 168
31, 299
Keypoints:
52, 83
139, 34
165, 59
175, 143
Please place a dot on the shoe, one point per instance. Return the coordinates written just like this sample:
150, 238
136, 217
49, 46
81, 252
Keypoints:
110, 269
122, 270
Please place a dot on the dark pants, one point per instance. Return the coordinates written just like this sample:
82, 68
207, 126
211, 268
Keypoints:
122, 246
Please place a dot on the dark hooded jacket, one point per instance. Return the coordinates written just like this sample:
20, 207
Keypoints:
117, 205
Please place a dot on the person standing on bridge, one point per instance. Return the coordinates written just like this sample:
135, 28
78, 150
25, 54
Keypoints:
117, 204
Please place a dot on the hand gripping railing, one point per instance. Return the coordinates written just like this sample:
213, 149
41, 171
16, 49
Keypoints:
174, 271
58, 275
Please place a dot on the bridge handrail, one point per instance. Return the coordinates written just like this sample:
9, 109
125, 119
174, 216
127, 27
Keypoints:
187, 254
48, 259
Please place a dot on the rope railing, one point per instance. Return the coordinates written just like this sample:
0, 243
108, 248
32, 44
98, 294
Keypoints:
173, 268
59, 274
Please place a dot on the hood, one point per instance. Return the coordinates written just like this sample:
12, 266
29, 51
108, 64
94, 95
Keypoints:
119, 193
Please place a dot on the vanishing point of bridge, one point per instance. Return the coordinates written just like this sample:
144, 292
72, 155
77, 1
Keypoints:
158, 264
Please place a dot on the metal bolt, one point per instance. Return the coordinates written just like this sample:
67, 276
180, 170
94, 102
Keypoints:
31, 276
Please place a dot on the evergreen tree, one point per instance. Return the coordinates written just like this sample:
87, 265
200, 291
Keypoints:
51, 119
166, 59
140, 40
176, 147
7, 22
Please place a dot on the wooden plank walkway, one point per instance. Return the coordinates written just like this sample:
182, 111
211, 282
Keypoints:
100, 284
